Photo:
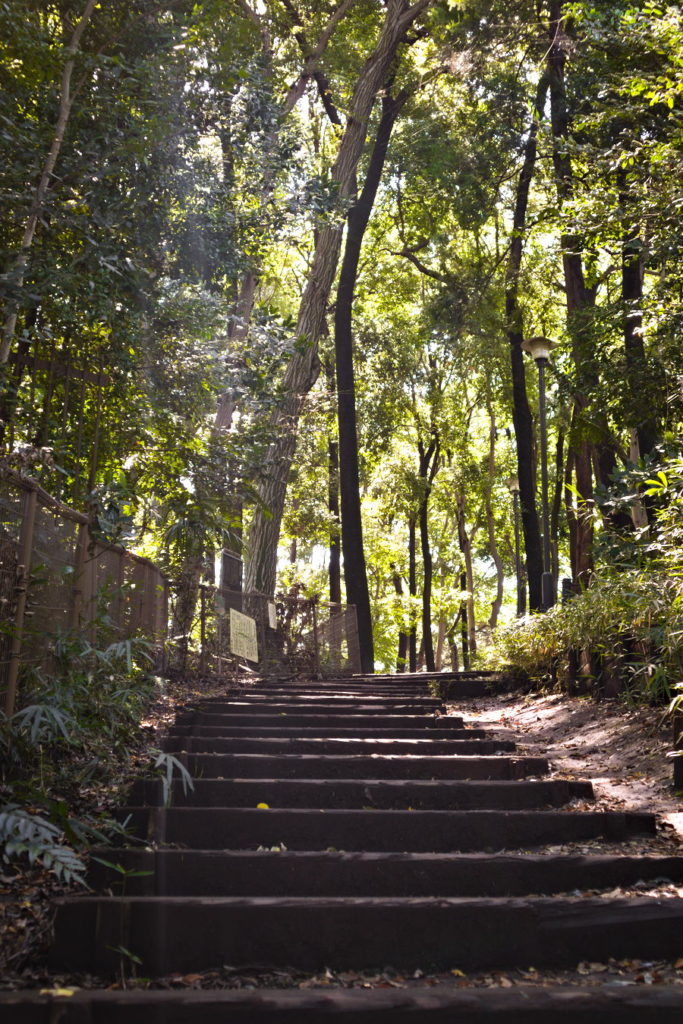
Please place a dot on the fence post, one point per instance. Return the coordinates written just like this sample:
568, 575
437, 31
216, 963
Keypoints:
79, 569
21, 590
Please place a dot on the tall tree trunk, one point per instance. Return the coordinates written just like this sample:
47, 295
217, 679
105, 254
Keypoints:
645, 424
490, 521
355, 573
464, 624
521, 413
428, 468
412, 591
465, 542
334, 570
402, 635
580, 299
302, 370
66, 97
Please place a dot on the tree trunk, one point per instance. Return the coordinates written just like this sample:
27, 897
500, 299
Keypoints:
490, 522
464, 624
355, 573
521, 413
580, 299
412, 591
465, 542
428, 468
303, 368
17, 274
402, 635
632, 296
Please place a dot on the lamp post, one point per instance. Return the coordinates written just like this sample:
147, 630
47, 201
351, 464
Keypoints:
539, 349
513, 487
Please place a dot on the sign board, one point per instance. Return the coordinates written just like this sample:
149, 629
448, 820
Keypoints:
243, 640
272, 615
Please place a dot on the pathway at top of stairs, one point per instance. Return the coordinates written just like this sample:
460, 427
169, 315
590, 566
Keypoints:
351, 825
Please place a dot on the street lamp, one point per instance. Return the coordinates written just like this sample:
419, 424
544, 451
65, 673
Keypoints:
513, 487
539, 349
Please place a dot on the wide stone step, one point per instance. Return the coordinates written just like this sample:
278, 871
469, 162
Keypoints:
322, 745
397, 794
331, 732
606, 1004
359, 766
196, 933
221, 828
335, 700
258, 718
326, 708
267, 873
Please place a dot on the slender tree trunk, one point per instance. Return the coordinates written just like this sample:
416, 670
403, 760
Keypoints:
402, 656
465, 542
464, 625
580, 299
428, 468
412, 591
355, 573
18, 271
632, 297
521, 412
490, 521
440, 642
303, 368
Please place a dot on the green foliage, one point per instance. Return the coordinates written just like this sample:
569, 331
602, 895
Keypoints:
76, 730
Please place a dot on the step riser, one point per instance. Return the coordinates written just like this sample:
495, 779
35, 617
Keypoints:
187, 873
330, 700
399, 795
521, 1005
299, 708
308, 766
304, 732
237, 745
416, 831
358, 934
256, 720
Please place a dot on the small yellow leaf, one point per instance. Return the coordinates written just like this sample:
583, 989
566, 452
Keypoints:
263, 807
58, 992
457, 973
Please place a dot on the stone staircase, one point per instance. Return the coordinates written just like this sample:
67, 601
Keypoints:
387, 834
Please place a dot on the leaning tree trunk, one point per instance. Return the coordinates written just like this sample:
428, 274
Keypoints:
521, 412
355, 574
303, 368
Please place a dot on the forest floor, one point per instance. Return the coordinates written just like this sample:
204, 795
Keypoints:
621, 749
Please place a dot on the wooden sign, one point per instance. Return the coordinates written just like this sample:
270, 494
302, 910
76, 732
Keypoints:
243, 639
272, 615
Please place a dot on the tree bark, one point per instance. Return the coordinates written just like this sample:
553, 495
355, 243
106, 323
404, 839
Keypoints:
428, 468
412, 591
521, 412
18, 272
465, 542
490, 521
580, 299
303, 368
355, 573
402, 656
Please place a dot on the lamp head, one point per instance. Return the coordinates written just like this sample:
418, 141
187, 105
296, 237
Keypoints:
512, 484
538, 347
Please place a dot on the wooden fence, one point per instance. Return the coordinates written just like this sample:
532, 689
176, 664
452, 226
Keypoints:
77, 583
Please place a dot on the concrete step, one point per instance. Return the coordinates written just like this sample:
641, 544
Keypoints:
359, 766
197, 933
331, 732
605, 1004
260, 717
397, 794
324, 745
214, 828
266, 873
335, 700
